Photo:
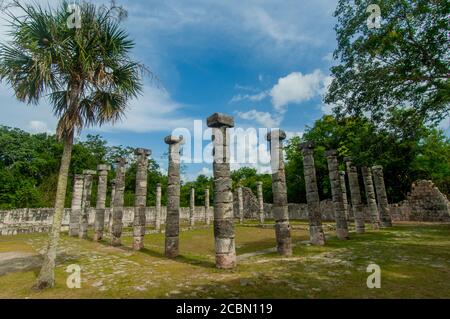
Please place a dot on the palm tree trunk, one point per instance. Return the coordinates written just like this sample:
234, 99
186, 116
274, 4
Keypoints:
47, 275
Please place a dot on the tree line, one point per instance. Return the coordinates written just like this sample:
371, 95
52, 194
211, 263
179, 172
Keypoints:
408, 151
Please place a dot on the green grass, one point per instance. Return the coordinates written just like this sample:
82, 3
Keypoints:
414, 260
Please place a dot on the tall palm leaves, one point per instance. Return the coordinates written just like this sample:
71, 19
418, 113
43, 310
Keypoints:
86, 73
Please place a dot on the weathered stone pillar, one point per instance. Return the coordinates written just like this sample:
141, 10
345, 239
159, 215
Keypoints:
158, 207
316, 234
117, 223
173, 197
240, 205
75, 212
207, 218
192, 208
223, 197
99, 223
336, 190
279, 189
370, 195
344, 195
140, 198
111, 205
380, 188
259, 186
355, 194
86, 205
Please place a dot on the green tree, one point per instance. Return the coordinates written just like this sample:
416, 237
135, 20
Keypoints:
86, 73
403, 64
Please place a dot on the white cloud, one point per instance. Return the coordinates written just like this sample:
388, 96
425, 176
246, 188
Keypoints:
263, 118
250, 97
154, 111
38, 127
297, 88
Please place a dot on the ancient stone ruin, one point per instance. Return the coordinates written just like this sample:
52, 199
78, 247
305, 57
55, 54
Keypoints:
336, 190
223, 197
316, 234
424, 203
173, 197
279, 189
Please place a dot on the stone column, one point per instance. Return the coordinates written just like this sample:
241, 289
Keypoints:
117, 223
370, 195
192, 208
259, 186
99, 223
111, 205
279, 189
207, 219
223, 197
240, 205
173, 197
158, 207
75, 212
336, 190
344, 195
355, 194
316, 234
86, 206
380, 188
140, 198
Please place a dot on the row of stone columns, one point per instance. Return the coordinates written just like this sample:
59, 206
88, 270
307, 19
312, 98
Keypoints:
339, 195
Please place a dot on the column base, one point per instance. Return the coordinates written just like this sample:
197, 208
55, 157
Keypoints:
172, 244
138, 243
342, 234
226, 261
317, 237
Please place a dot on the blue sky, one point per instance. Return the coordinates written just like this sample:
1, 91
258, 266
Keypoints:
265, 62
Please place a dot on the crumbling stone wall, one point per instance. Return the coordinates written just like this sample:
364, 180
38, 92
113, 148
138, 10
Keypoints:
424, 203
427, 203
251, 205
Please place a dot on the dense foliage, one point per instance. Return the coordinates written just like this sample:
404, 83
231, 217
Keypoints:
403, 64
408, 151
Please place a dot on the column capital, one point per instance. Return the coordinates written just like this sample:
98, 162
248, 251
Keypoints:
78, 176
89, 172
218, 120
278, 133
377, 168
331, 153
342, 173
158, 184
307, 145
142, 151
171, 139
121, 161
259, 183
348, 159
103, 168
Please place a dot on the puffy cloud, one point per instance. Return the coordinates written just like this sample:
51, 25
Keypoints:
152, 112
263, 118
296, 88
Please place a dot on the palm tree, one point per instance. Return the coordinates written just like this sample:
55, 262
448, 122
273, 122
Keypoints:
86, 73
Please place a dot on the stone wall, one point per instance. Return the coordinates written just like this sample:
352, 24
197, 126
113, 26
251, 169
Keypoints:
35, 220
424, 203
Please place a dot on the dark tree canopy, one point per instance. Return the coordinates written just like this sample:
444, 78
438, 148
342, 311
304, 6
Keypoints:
404, 64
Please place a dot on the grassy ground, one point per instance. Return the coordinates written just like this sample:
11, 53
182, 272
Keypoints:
414, 260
